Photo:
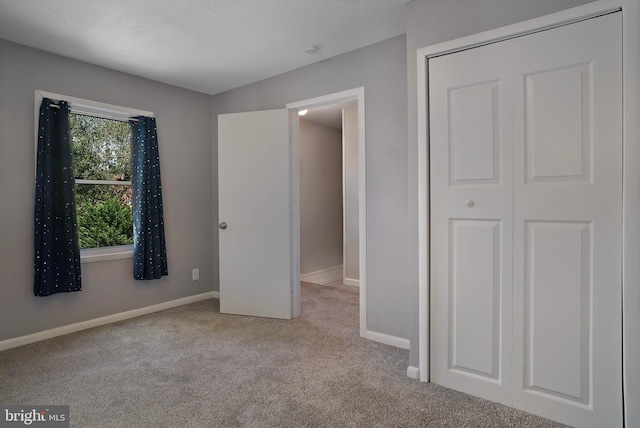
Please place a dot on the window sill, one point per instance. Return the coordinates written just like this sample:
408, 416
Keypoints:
92, 255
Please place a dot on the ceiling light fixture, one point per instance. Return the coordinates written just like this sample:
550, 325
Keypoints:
303, 112
311, 49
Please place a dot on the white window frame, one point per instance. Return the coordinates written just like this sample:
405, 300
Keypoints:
98, 109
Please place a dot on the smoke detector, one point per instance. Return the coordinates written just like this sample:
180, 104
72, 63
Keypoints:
311, 49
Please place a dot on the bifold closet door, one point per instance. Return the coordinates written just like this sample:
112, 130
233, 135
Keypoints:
526, 289
568, 224
471, 214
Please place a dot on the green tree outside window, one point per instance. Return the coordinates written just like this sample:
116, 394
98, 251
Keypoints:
101, 150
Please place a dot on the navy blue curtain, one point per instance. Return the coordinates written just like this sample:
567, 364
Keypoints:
149, 248
56, 250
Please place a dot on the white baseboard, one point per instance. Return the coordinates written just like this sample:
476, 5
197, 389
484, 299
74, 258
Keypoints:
83, 325
413, 372
323, 276
398, 342
351, 282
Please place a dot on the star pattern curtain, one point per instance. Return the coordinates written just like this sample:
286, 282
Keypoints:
56, 249
149, 248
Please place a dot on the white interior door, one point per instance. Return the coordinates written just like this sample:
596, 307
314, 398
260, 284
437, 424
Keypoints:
526, 280
254, 197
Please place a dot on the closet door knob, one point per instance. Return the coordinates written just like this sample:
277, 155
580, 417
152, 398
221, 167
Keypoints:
223, 225
469, 202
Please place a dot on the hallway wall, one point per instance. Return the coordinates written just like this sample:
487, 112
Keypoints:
320, 197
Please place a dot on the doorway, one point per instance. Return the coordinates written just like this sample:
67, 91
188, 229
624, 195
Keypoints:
259, 210
328, 160
353, 101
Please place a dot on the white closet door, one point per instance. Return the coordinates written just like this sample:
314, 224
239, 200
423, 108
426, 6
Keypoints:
568, 223
471, 212
526, 161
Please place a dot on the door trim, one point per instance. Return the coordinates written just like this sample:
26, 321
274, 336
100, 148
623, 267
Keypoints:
631, 175
337, 97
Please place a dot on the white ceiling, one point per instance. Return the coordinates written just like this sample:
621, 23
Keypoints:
206, 45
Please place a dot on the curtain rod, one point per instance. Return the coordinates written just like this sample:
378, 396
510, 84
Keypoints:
100, 115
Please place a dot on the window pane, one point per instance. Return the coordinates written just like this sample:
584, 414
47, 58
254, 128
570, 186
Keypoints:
104, 215
101, 148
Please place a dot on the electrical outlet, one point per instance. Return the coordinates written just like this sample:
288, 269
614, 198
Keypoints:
195, 274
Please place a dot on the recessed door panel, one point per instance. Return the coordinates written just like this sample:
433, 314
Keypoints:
558, 309
474, 122
558, 126
474, 335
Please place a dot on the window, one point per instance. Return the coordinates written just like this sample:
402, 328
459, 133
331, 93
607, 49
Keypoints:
101, 150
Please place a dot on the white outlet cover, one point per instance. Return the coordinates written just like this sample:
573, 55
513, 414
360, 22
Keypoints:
195, 274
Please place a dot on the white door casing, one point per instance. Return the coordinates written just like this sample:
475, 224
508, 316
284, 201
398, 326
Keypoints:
254, 197
526, 260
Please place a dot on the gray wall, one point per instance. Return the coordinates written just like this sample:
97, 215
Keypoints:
320, 197
184, 132
351, 191
381, 70
435, 21
187, 123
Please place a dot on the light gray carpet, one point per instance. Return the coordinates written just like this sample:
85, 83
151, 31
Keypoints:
194, 367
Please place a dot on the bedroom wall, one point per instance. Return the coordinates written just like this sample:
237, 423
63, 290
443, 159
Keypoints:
381, 70
435, 21
184, 131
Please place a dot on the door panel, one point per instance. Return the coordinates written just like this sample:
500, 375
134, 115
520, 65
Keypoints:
254, 200
550, 106
474, 340
568, 224
558, 143
471, 229
475, 147
558, 263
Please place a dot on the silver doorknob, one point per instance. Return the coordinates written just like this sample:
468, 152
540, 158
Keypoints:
469, 202
223, 225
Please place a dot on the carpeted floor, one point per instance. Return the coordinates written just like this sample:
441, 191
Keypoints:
194, 367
